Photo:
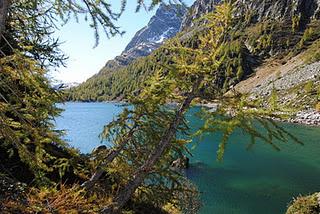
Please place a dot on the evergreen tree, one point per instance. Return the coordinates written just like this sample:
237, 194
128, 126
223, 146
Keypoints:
145, 137
27, 101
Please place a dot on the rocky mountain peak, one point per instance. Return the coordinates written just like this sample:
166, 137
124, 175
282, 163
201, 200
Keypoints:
162, 26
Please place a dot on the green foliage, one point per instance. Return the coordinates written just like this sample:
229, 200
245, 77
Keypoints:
273, 100
29, 29
307, 35
27, 101
204, 66
139, 133
141, 129
264, 38
238, 113
145, 136
310, 34
118, 83
261, 35
248, 16
296, 22
312, 54
27, 109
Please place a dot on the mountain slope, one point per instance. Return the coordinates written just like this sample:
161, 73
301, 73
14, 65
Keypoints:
163, 25
273, 30
259, 10
198, 9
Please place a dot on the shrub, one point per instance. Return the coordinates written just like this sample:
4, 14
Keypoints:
295, 22
308, 87
305, 205
312, 54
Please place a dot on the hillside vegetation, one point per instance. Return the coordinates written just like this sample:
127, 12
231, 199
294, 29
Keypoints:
267, 40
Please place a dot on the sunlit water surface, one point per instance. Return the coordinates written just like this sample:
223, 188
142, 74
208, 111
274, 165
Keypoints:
260, 180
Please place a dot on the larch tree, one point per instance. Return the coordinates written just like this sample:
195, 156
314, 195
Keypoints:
145, 136
28, 51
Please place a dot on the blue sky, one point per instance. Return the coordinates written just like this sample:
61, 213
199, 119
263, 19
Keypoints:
84, 60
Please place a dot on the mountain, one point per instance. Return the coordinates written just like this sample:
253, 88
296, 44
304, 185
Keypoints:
198, 9
118, 76
281, 42
163, 25
259, 10
59, 85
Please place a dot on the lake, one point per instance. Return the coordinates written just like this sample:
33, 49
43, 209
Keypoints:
260, 180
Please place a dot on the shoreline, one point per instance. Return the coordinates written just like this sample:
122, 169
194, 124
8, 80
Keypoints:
306, 117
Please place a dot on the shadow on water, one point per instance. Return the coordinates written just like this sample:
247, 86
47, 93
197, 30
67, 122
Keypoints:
257, 181
233, 189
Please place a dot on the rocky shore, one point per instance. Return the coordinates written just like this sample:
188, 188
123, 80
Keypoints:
296, 84
307, 117
310, 117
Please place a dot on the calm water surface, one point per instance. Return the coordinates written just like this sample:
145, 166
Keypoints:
260, 180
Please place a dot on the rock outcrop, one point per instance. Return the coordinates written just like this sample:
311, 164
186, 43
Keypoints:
199, 8
280, 9
309, 117
181, 163
163, 25
259, 10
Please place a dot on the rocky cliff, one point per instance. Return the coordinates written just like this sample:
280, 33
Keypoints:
163, 25
259, 10
280, 9
296, 79
199, 8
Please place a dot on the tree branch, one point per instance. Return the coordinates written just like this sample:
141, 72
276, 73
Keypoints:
138, 177
4, 7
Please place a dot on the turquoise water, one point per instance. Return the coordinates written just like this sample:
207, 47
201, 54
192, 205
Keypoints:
84, 122
260, 180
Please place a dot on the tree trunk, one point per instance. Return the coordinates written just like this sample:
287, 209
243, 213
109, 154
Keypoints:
138, 177
110, 157
4, 6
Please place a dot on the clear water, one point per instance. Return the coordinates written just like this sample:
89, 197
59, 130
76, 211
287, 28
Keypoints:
260, 180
